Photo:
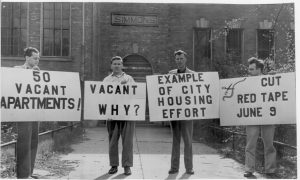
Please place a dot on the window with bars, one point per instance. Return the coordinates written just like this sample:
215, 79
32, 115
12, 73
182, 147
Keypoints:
202, 48
234, 45
13, 28
265, 43
56, 29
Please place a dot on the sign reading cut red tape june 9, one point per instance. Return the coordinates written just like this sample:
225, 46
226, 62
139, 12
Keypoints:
184, 96
258, 100
108, 100
28, 95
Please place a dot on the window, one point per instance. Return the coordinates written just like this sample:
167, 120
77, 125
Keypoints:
233, 45
202, 48
265, 43
56, 29
13, 28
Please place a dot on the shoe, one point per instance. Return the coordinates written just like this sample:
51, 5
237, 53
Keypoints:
113, 170
173, 171
190, 171
35, 177
248, 174
127, 171
272, 176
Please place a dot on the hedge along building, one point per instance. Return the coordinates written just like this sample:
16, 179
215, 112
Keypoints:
82, 37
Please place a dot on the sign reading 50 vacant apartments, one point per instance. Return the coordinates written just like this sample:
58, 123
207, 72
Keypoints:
258, 100
184, 96
28, 95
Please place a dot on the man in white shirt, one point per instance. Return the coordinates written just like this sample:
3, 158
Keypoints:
119, 127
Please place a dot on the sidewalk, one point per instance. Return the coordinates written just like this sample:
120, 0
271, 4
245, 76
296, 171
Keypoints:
152, 148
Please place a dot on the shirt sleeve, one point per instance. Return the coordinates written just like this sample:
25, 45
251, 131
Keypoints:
130, 79
174, 71
106, 79
191, 71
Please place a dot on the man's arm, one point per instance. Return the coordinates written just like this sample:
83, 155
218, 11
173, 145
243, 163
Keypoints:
174, 71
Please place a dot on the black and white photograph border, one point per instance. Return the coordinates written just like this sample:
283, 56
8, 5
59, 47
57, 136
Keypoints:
64, 62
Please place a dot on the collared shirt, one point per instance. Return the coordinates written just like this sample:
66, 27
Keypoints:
176, 71
122, 78
25, 66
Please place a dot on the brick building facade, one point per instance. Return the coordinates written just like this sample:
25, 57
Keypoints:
93, 38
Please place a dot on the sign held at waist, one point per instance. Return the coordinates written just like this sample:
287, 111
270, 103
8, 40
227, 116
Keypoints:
108, 100
29, 95
184, 96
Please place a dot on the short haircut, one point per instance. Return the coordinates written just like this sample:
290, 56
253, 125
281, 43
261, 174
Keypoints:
258, 63
116, 58
29, 50
179, 52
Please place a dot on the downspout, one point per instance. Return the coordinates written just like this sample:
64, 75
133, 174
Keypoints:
82, 77
82, 65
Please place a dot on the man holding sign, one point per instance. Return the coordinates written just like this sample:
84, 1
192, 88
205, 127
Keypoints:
28, 132
256, 67
182, 128
116, 127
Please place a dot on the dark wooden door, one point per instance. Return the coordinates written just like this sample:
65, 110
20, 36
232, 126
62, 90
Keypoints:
138, 67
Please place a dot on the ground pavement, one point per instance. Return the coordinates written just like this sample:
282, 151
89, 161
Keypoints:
151, 160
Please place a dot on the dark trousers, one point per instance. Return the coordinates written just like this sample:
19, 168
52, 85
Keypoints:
126, 130
27, 143
184, 129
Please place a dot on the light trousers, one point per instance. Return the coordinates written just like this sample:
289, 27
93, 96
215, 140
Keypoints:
267, 134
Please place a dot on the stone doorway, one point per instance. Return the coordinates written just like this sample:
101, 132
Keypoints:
138, 67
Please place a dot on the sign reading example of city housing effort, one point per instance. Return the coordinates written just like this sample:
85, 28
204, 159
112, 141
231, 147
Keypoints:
184, 96
28, 95
258, 100
115, 101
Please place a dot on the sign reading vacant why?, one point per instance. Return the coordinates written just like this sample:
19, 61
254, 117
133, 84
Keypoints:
184, 96
108, 100
258, 100
28, 95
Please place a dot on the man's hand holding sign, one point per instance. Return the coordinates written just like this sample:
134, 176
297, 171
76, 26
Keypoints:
260, 102
28, 96
120, 101
179, 97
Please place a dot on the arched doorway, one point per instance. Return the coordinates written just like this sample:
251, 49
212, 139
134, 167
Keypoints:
137, 66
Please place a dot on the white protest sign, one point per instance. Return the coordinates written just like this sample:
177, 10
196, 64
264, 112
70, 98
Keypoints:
108, 100
184, 96
28, 95
258, 100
